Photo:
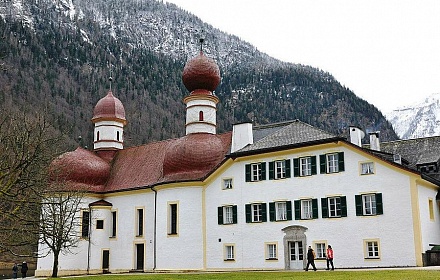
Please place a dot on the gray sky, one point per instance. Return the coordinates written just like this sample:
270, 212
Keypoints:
386, 51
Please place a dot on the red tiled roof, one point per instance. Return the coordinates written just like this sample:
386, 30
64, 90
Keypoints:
188, 158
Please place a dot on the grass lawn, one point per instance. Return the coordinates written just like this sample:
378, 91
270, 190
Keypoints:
397, 274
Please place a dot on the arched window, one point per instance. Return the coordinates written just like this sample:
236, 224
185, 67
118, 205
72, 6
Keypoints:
97, 136
201, 116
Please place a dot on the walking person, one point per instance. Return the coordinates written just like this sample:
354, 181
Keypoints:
14, 271
24, 269
330, 257
311, 258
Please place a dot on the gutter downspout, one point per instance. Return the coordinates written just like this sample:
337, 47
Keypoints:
155, 228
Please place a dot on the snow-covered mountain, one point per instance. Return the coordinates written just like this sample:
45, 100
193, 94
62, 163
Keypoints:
421, 120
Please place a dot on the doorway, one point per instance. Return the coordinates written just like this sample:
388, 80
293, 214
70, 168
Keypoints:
294, 242
140, 256
105, 260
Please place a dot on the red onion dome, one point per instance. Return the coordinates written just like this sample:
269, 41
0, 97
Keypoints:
193, 156
201, 72
109, 107
80, 166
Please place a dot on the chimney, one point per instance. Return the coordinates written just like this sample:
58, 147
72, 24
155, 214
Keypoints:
374, 141
241, 136
356, 135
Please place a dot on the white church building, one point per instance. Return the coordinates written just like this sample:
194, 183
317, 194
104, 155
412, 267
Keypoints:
253, 198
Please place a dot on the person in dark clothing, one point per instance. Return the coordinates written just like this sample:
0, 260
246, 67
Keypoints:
310, 258
14, 271
24, 269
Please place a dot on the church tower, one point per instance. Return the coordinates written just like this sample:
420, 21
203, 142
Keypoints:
109, 120
201, 76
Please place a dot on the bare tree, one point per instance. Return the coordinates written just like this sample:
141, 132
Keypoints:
27, 146
59, 222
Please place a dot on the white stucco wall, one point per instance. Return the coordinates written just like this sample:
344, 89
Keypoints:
430, 228
346, 235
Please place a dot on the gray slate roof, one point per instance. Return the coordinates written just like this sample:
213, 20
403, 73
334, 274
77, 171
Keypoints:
284, 135
416, 151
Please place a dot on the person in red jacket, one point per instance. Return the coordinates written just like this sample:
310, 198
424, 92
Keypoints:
330, 257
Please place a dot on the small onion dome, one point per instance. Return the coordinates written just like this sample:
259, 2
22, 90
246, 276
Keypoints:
109, 108
80, 166
192, 156
201, 72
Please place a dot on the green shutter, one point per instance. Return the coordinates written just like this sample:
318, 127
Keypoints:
322, 164
297, 204
289, 210
296, 167
272, 211
248, 213
358, 202
263, 212
248, 172
324, 207
341, 161
288, 172
271, 170
315, 208
343, 206
263, 171
234, 214
220, 215
379, 204
313, 165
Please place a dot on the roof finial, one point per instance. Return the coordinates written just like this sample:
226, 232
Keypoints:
201, 40
110, 79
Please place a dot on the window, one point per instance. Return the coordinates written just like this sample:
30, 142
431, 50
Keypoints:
201, 116
99, 224
85, 221
280, 211
367, 168
320, 249
304, 166
431, 209
117, 135
229, 253
255, 212
140, 222
255, 172
334, 207
227, 183
227, 214
97, 136
306, 209
271, 251
279, 169
332, 163
172, 226
113, 233
369, 204
371, 249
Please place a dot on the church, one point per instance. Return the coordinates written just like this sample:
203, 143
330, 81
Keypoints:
253, 198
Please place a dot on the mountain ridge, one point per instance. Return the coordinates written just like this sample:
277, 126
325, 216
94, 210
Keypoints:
60, 54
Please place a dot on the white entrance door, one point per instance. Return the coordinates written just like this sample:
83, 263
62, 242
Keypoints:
296, 251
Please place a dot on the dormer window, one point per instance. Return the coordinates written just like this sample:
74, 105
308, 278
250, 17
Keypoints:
397, 159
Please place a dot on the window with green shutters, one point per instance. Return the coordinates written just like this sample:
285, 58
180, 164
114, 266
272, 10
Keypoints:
280, 211
255, 172
331, 163
279, 169
256, 213
369, 204
334, 207
306, 209
304, 166
227, 214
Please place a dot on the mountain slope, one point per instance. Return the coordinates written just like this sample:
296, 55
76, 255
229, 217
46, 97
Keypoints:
421, 120
59, 54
